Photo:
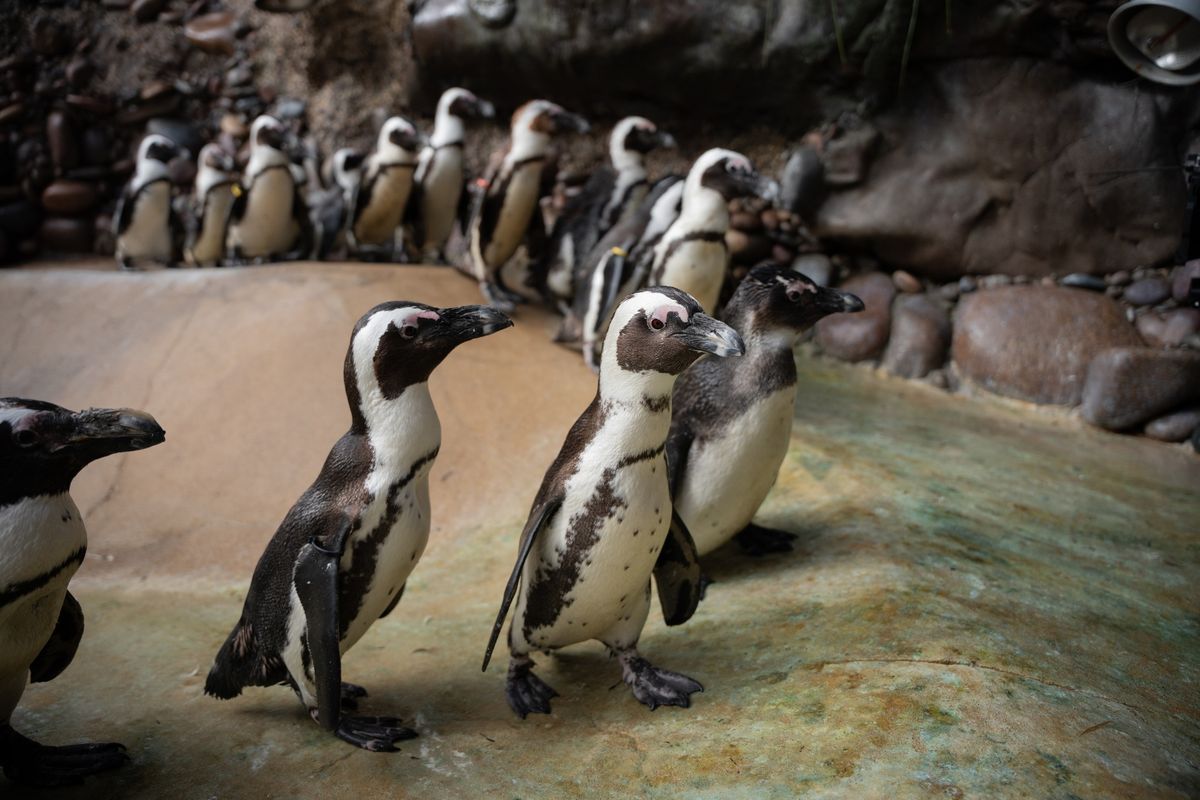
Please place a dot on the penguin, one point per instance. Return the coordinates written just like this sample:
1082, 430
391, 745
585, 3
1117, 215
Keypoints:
620, 264
732, 418
602, 522
691, 254
608, 196
440, 172
330, 207
383, 193
342, 554
268, 220
504, 212
209, 208
145, 223
42, 543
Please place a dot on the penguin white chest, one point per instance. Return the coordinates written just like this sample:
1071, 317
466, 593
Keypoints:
267, 226
377, 222
210, 241
42, 543
730, 473
698, 268
520, 201
149, 234
442, 188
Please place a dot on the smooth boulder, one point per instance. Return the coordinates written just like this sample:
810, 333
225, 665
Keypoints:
1127, 386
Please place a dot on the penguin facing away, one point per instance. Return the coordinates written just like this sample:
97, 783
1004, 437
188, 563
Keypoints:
268, 219
145, 222
42, 543
208, 211
440, 173
602, 522
732, 418
341, 556
384, 191
609, 195
330, 207
504, 213
692, 253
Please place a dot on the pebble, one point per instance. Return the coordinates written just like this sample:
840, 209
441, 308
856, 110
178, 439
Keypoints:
239, 75
1174, 427
949, 291
234, 126
80, 72
66, 234
1147, 292
967, 284
69, 198
1181, 278
289, 107
1079, 280
155, 89
770, 219
906, 282
212, 33
1120, 278
11, 112
1169, 329
146, 10
745, 221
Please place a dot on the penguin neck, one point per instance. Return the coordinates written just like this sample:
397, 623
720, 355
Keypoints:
629, 164
387, 152
527, 144
148, 171
400, 429
703, 209
263, 158
208, 178
637, 402
769, 363
447, 129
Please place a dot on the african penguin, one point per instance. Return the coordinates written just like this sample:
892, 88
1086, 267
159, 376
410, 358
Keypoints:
505, 210
619, 265
609, 195
440, 172
209, 208
330, 207
732, 418
383, 193
145, 223
42, 543
268, 220
692, 254
602, 522
341, 556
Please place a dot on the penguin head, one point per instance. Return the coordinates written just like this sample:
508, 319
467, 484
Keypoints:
344, 168
44, 446
215, 157
399, 133
398, 344
663, 330
266, 132
638, 135
775, 298
465, 105
155, 147
548, 119
730, 175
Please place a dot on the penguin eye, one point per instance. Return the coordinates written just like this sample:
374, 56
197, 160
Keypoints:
793, 295
409, 331
25, 438
657, 324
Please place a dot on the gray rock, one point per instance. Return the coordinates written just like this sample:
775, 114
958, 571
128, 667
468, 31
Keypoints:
920, 337
1035, 342
1174, 427
179, 131
1147, 292
906, 282
1181, 279
1078, 280
802, 184
816, 266
861, 336
848, 156
1127, 386
1171, 328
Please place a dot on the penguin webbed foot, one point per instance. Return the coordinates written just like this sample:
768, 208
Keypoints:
377, 734
527, 693
351, 693
654, 686
757, 541
27, 762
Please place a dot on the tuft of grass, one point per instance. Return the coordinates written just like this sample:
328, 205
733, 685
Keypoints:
837, 31
908, 41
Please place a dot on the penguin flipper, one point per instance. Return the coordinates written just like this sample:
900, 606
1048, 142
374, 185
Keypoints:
124, 211
679, 445
59, 651
677, 573
537, 522
316, 582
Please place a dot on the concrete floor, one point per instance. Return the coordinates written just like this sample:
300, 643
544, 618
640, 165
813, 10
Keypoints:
988, 600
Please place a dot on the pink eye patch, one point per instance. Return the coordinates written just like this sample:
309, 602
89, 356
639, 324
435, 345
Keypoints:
659, 318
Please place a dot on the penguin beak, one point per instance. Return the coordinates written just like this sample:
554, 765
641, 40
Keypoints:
464, 323
665, 140
566, 121
102, 431
839, 302
408, 139
270, 136
766, 188
484, 109
707, 335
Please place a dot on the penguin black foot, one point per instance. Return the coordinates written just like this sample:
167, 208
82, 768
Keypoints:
27, 762
654, 687
351, 692
705, 582
756, 540
377, 734
527, 693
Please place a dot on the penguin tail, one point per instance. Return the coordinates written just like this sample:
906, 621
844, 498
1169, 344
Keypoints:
236, 665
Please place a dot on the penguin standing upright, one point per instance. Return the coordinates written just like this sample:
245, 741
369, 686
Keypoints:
330, 207
602, 521
383, 194
691, 255
341, 556
42, 543
208, 210
440, 172
504, 212
608, 196
268, 219
732, 418
145, 223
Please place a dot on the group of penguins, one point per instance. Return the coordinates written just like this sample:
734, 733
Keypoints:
672, 458
409, 196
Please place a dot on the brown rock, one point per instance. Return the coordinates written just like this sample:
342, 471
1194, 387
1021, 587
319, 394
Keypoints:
212, 33
1170, 328
11, 112
1127, 386
1181, 279
770, 219
156, 89
861, 336
66, 234
782, 254
181, 171
50, 38
69, 197
745, 221
906, 282
1035, 342
80, 72
846, 158
746, 248
1174, 427
147, 10
64, 145
1147, 292
919, 339
92, 105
